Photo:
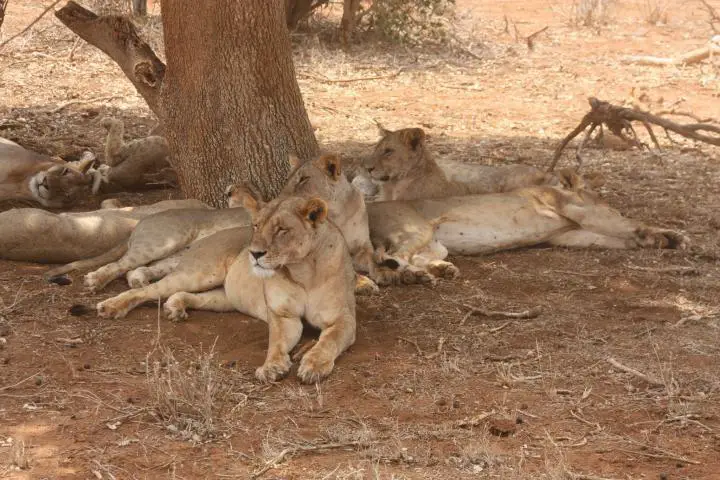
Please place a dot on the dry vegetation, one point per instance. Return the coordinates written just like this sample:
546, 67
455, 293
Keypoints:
617, 377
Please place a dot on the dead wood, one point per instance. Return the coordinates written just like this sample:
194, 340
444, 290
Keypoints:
632, 371
530, 40
714, 17
3, 8
116, 36
619, 121
689, 58
478, 311
24, 30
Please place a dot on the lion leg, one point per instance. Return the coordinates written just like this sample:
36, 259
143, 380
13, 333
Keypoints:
142, 276
104, 258
285, 333
213, 300
587, 239
606, 221
138, 254
180, 281
320, 360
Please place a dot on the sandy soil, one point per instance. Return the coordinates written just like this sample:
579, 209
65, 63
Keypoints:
82, 397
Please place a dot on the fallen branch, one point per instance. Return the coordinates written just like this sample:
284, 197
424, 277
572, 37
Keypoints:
619, 121
632, 371
530, 40
441, 342
348, 80
8, 387
677, 269
303, 448
117, 37
689, 58
413, 342
24, 30
482, 312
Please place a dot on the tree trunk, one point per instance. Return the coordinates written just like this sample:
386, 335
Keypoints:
139, 7
230, 104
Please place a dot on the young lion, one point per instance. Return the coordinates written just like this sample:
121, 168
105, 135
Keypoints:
404, 165
297, 267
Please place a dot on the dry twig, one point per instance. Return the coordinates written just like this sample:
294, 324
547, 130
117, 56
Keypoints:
637, 373
478, 311
413, 342
348, 80
304, 448
441, 342
678, 269
530, 40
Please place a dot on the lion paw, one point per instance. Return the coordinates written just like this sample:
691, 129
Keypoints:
272, 371
138, 278
93, 282
314, 367
411, 275
174, 309
444, 269
660, 238
365, 286
112, 308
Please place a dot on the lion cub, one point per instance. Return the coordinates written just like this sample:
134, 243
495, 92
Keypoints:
404, 165
297, 266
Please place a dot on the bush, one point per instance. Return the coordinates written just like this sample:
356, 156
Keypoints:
409, 21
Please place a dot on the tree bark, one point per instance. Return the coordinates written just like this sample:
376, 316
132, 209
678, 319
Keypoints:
139, 7
231, 107
116, 36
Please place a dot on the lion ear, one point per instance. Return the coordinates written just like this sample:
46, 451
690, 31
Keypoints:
413, 137
315, 211
294, 160
244, 195
382, 131
330, 164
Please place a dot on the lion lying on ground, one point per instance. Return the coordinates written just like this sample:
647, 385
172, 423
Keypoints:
403, 164
51, 182
297, 267
135, 165
34, 235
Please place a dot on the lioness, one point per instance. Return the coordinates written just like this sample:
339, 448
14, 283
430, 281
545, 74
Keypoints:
34, 235
297, 267
138, 164
423, 232
403, 164
51, 182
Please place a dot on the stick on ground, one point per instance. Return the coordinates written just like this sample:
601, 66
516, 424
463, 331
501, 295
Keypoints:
637, 373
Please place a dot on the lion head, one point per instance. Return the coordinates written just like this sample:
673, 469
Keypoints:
397, 154
285, 230
59, 186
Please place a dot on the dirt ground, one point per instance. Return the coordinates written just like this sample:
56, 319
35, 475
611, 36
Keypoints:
427, 391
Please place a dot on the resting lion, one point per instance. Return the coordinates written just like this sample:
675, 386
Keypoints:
297, 267
51, 182
403, 164
35, 235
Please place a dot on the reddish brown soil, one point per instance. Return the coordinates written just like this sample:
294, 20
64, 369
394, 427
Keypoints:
504, 398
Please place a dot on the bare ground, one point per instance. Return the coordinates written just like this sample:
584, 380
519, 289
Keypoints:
427, 391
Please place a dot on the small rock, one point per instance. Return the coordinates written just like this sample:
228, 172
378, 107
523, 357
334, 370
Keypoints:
39, 381
440, 402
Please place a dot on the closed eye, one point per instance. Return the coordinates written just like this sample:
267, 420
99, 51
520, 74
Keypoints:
303, 180
388, 151
280, 232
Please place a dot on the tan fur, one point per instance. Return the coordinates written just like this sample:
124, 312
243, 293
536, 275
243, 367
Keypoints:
160, 236
296, 267
404, 165
138, 164
423, 232
51, 182
34, 235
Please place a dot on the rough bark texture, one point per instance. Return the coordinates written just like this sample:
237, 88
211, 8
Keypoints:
231, 106
139, 7
116, 36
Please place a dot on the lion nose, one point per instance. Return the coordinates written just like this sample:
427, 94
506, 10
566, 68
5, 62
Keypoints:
370, 169
257, 255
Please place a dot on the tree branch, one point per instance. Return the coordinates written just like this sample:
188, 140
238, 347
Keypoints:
116, 36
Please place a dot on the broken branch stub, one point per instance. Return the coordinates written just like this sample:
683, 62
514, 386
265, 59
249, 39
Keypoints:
117, 37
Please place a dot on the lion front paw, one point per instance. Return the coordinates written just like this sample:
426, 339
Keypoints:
112, 308
315, 366
93, 282
443, 269
273, 370
412, 274
661, 238
174, 309
138, 278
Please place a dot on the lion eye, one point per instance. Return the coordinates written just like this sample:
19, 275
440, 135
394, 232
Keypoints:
388, 151
281, 232
303, 180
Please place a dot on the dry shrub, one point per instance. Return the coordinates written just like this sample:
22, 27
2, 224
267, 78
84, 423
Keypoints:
589, 13
656, 11
409, 21
189, 398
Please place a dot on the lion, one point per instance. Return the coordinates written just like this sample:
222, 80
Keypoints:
423, 232
296, 267
406, 169
51, 182
136, 165
154, 238
35, 235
